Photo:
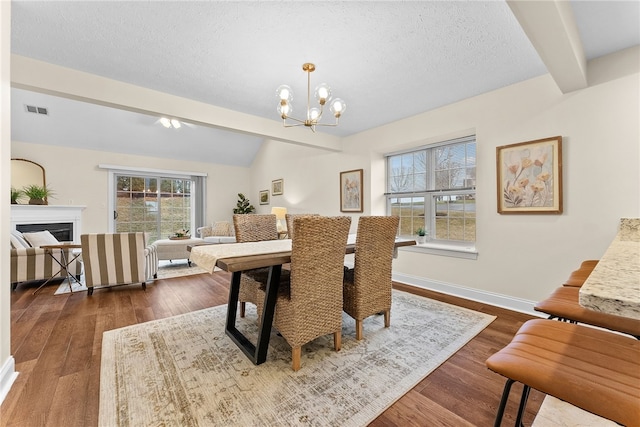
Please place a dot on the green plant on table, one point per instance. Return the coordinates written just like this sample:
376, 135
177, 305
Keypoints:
421, 231
181, 233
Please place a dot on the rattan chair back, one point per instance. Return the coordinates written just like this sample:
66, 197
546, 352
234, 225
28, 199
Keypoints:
367, 288
313, 305
255, 228
289, 219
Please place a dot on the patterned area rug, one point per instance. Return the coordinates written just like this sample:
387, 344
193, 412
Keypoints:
557, 413
184, 370
166, 270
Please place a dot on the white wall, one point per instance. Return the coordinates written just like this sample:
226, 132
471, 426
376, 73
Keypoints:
522, 258
7, 363
74, 176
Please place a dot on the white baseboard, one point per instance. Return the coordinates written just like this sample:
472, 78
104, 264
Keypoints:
8, 375
498, 300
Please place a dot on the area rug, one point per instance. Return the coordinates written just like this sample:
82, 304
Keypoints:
557, 413
166, 270
184, 370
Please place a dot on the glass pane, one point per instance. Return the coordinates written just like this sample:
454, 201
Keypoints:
157, 206
137, 184
444, 168
420, 161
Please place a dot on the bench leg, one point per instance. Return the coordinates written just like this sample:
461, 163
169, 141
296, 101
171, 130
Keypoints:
503, 402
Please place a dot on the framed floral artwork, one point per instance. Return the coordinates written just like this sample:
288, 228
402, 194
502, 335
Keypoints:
277, 187
264, 197
530, 177
351, 189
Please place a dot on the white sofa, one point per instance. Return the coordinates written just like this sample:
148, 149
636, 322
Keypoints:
218, 232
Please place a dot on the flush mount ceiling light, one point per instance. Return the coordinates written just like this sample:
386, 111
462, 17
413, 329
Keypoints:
314, 115
170, 123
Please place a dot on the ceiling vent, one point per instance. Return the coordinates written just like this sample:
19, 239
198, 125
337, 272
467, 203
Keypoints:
37, 110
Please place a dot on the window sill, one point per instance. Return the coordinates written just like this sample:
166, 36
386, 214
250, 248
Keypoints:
444, 249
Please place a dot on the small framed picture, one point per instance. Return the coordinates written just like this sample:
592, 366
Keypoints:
277, 187
264, 197
351, 188
530, 177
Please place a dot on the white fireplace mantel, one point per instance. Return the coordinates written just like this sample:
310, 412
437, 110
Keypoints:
43, 214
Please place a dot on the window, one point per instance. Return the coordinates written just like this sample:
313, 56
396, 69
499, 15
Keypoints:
158, 206
434, 187
157, 202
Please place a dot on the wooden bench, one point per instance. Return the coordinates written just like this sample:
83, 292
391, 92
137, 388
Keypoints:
595, 370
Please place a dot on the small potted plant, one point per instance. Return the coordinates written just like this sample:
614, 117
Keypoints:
422, 235
180, 235
243, 206
37, 194
15, 195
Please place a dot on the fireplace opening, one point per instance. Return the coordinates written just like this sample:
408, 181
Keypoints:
63, 231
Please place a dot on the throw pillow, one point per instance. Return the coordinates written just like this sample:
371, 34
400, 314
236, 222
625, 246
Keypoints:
17, 241
40, 238
221, 228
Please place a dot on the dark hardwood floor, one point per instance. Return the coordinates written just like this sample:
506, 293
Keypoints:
56, 342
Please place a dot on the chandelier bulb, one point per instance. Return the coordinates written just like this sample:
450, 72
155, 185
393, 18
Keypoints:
284, 109
337, 107
323, 93
284, 93
314, 113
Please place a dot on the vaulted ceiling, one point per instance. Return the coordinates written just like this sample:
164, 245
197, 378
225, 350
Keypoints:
387, 60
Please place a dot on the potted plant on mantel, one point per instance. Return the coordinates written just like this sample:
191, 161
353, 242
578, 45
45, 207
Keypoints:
243, 206
37, 194
422, 235
15, 195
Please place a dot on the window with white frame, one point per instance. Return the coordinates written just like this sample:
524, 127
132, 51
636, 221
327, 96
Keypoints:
434, 187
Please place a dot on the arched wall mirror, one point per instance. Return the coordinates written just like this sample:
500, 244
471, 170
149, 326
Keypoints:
25, 173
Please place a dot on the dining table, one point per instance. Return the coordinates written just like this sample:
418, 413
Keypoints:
238, 257
613, 286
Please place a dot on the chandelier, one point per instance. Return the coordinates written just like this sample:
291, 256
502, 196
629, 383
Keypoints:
314, 115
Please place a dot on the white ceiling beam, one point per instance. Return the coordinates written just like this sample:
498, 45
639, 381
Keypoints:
39, 76
550, 26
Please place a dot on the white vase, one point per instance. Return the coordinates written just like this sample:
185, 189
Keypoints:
421, 239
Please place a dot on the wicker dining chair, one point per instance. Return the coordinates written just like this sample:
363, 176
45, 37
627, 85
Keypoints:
253, 228
289, 219
309, 304
367, 286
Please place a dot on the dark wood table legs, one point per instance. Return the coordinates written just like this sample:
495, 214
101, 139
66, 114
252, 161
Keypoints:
256, 353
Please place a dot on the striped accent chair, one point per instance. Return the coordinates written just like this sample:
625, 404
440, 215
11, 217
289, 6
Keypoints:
36, 264
112, 259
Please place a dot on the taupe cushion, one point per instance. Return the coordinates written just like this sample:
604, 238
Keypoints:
40, 238
17, 241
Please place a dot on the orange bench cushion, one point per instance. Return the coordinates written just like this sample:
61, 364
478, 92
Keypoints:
592, 369
578, 277
564, 303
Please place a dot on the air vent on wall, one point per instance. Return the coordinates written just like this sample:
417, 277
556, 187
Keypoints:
37, 110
